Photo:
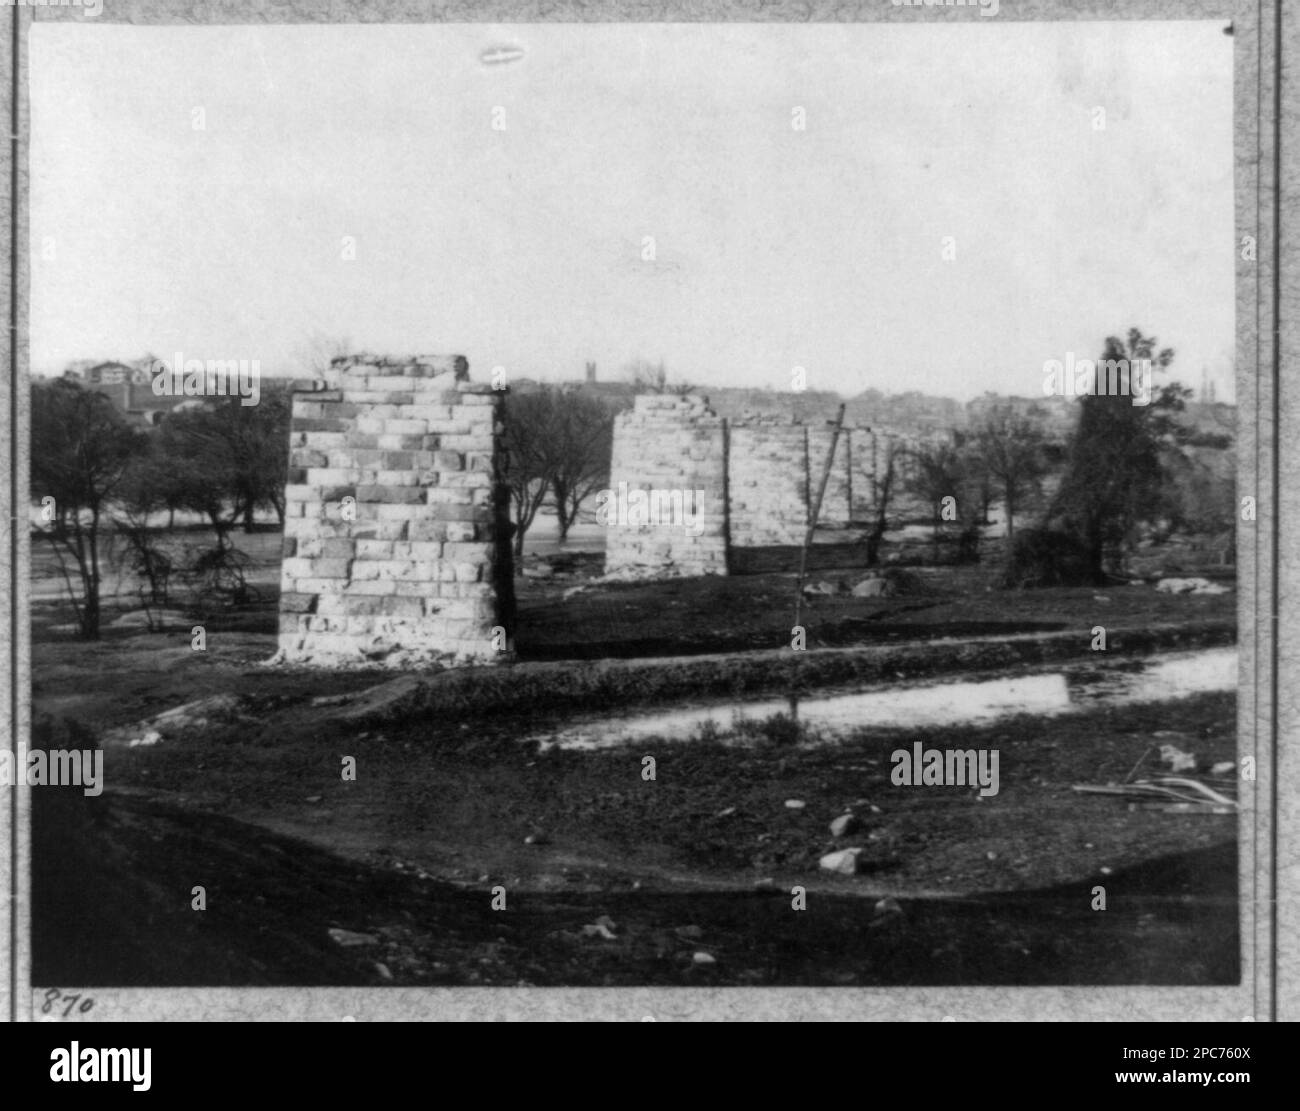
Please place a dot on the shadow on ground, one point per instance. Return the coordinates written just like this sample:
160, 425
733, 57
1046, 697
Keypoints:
113, 877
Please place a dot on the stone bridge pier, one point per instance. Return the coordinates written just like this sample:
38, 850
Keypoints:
396, 541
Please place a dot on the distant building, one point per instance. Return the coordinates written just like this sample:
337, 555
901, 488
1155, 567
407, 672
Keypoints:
129, 386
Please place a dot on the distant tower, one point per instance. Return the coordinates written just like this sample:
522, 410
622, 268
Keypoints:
591, 372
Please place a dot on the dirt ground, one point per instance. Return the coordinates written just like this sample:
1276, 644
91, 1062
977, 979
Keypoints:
609, 878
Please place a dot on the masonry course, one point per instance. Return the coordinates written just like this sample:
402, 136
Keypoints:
396, 548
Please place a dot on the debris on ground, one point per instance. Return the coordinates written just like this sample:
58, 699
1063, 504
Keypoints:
151, 737
887, 906
1169, 787
821, 588
845, 861
844, 825
1190, 586
1177, 759
350, 938
872, 588
603, 927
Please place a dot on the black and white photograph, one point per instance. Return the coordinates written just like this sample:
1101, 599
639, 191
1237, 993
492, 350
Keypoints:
636, 505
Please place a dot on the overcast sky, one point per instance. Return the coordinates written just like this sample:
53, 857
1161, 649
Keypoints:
523, 247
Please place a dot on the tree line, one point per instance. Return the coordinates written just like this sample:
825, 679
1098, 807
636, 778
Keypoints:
1124, 472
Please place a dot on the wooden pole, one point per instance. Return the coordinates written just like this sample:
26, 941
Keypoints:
814, 511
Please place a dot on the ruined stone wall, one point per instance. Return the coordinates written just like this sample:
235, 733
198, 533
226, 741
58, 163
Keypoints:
765, 471
396, 529
767, 484
773, 472
667, 444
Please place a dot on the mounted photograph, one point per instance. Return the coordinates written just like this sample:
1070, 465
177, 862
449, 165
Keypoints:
678, 505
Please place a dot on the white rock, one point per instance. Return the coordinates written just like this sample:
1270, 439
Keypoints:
844, 825
870, 588
1177, 759
845, 861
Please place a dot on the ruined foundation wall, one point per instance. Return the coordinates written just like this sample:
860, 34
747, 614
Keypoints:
669, 444
396, 535
764, 472
767, 484
772, 476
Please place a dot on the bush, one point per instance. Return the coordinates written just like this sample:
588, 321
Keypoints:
1047, 557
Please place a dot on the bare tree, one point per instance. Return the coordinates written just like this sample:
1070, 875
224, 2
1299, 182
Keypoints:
81, 449
883, 481
1009, 449
530, 423
578, 454
648, 377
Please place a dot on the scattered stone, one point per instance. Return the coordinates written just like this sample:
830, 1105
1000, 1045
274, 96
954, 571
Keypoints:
795, 804
313, 798
197, 714
702, 957
537, 839
151, 737
822, 588
1223, 767
870, 588
845, 861
844, 825
382, 969
350, 938
599, 929
886, 906
1190, 586
725, 813
1177, 759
